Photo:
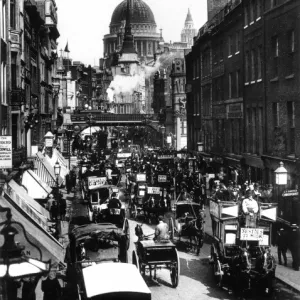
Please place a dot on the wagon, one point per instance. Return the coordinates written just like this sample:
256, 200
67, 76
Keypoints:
150, 255
187, 220
240, 254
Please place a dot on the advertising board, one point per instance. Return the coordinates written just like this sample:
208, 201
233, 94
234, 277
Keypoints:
95, 182
252, 234
5, 152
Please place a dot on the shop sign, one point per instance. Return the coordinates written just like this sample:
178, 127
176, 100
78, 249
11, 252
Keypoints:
214, 209
235, 111
290, 193
252, 234
140, 177
162, 178
123, 155
219, 112
165, 157
153, 190
49, 142
5, 152
95, 182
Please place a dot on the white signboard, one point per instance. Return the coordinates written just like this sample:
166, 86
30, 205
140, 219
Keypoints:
153, 190
5, 152
123, 155
48, 142
141, 177
95, 182
165, 157
252, 234
169, 139
162, 178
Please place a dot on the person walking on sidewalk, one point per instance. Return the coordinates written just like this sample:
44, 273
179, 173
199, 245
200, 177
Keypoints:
294, 239
282, 245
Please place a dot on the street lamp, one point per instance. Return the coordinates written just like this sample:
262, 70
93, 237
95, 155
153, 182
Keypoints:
163, 129
13, 263
281, 174
200, 146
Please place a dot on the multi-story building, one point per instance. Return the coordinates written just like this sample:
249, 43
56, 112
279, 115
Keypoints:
281, 78
4, 108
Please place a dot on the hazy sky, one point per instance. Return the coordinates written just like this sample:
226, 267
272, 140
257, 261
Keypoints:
84, 23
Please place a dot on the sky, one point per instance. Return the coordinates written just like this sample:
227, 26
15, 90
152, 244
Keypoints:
83, 24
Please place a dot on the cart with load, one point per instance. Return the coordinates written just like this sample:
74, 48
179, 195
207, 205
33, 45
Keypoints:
187, 220
240, 253
150, 255
136, 202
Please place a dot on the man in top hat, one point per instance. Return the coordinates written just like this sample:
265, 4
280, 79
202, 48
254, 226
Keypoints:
282, 245
51, 286
294, 240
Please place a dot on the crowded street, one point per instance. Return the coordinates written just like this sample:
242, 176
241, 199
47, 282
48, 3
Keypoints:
149, 150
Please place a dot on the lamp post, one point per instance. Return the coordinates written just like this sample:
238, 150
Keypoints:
69, 133
14, 264
200, 146
57, 168
163, 129
280, 180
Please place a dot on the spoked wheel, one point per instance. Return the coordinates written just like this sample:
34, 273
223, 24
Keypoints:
126, 231
218, 272
175, 272
171, 229
135, 260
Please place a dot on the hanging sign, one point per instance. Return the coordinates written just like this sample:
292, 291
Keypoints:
123, 155
252, 234
165, 157
162, 178
96, 182
153, 190
5, 152
48, 142
141, 177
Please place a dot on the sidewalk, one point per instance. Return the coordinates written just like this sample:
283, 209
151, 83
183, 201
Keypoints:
285, 274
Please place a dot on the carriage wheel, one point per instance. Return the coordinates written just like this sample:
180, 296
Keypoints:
126, 231
171, 229
175, 271
218, 273
135, 260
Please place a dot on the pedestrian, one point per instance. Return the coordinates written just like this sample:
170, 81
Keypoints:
28, 288
282, 245
68, 183
54, 211
51, 286
294, 240
63, 208
49, 204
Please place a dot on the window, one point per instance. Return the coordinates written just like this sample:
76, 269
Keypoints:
254, 131
291, 127
258, 8
246, 16
237, 83
291, 37
221, 51
230, 46
259, 63
251, 11
183, 127
230, 86
275, 53
275, 111
273, 3
237, 42
14, 69
248, 128
252, 65
247, 67
12, 14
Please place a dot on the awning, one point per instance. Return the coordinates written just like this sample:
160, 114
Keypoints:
51, 248
57, 157
45, 171
37, 189
19, 195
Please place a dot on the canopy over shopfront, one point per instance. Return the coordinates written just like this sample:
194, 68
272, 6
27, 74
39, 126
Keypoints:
57, 157
49, 246
36, 188
45, 171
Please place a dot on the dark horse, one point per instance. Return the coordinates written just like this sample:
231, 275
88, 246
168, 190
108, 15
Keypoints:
194, 229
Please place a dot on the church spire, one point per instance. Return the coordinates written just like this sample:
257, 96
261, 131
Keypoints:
128, 43
189, 18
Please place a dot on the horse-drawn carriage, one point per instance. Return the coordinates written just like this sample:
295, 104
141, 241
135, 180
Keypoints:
240, 252
90, 245
187, 220
150, 255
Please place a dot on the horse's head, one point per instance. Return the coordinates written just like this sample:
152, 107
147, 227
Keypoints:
139, 231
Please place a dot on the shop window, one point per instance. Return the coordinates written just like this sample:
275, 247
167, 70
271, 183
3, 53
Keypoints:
13, 14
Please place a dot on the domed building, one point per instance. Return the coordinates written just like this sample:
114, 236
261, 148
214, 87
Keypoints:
143, 27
